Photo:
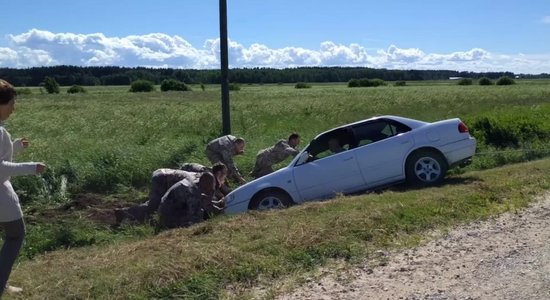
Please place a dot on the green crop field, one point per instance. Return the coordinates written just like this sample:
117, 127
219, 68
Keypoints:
102, 146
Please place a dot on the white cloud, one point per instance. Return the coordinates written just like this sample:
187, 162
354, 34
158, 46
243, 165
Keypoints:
25, 57
546, 19
44, 48
97, 49
402, 55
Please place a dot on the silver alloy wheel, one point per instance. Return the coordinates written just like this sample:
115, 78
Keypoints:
427, 169
270, 202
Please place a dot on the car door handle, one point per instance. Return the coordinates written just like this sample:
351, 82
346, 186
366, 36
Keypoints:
349, 158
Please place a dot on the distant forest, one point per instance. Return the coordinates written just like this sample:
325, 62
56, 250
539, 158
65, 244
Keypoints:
87, 76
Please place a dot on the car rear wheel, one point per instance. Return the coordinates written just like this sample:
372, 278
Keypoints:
270, 200
426, 167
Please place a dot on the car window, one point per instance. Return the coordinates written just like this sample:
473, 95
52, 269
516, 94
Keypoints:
330, 143
374, 131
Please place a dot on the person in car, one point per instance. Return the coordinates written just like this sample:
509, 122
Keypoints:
266, 158
334, 145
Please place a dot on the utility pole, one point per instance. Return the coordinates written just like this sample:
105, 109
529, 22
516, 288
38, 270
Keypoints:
226, 119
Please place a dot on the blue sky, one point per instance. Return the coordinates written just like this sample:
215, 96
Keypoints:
467, 35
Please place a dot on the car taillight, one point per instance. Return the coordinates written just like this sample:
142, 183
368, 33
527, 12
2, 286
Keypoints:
462, 128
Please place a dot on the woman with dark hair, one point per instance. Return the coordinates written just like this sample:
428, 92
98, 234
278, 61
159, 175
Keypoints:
11, 216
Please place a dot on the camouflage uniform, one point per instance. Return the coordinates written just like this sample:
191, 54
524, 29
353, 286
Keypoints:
266, 158
223, 149
194, 167
162, 180
181, 206
219, 193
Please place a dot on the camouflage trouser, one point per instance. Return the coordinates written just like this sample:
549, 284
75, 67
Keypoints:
262, 167
181, 206
142, 213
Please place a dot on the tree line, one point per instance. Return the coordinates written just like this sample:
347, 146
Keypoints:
113, 75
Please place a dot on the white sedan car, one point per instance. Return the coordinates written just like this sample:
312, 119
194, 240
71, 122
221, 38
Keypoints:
360, 156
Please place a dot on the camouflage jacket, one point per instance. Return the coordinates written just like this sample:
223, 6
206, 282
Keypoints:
171, 176
225, 148
195, 167
181, 205
276, 153
221, 190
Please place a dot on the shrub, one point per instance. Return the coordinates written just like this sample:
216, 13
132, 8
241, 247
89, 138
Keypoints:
400, 83
302, 85
173, 85
142, 86
76, 89
505, 80
353, 83
374, 82
485, 81
23, 91
364, 82
51, 85
378, 82
202, 87
234, 87
465, 81
508, 131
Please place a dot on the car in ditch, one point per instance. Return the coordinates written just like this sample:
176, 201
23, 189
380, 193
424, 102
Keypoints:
360, 156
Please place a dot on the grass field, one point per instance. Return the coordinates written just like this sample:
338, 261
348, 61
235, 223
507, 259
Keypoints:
108, 141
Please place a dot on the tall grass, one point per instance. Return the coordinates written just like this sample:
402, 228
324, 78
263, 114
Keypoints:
109, 141
109, 138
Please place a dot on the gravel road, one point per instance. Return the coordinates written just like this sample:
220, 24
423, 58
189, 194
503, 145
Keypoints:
507, 257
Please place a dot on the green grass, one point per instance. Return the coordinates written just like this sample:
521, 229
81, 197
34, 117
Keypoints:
110, 138
107, 142
254, 248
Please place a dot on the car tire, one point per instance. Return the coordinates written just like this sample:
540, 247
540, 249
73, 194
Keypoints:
426, 167
270, 200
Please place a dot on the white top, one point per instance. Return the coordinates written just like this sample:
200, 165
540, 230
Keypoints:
10, 210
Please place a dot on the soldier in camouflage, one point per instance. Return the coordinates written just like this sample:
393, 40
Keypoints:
219, 170
185, 202
195, 168
266, 158
161, 181
222, 150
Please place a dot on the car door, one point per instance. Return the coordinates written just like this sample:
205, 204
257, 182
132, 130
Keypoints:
326, 176
381, 150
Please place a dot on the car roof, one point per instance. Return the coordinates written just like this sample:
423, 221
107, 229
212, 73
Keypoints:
412, 123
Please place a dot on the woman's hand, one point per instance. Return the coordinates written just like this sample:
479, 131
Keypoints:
24, 142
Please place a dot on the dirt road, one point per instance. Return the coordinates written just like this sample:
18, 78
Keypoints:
503, 258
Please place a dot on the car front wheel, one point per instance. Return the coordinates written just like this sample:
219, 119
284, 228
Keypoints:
270, 200
426, 168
